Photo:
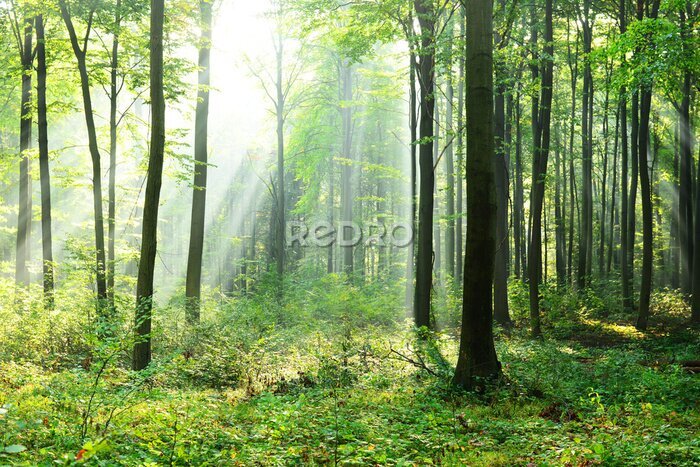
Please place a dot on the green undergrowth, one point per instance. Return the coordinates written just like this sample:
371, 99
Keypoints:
316, 382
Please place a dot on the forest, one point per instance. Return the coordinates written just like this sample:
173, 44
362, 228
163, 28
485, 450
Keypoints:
357, 232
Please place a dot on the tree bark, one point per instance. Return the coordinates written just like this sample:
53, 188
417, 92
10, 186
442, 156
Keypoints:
539, 174
149, 237
477, 354
426, 78
44, 173
193, 284
645, 182
24, 220
80, 54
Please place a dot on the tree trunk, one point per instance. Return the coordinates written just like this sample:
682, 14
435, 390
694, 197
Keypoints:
80, 55
449, 165
149, 237
477, 355
586, 234
193, 284
500, 286
24, 220
647, 207
539, 174
44, 173
459, 201
347, 192
426, 78
112, 201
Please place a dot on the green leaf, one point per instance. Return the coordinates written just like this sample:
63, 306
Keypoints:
15, 449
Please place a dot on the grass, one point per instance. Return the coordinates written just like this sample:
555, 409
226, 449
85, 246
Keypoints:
593, 392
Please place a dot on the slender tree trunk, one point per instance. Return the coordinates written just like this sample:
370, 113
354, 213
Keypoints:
426, 77
449, 164
645, 182
280, 209
193, 284
413, 127
100, 253
24, 221
500, 287
613, 201
685, 195
539, 173
112, 191
558, 214
477, 355
586, 234
44, 173
459, 242
149, 237
347, 188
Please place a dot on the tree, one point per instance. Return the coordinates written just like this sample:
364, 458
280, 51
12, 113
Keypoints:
24, 222
193, 283
426, 78
80, 52
586, 233
149, 236
647, 207
477, 355
539, 173
44, 173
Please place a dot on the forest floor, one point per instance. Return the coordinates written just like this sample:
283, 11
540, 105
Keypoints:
592, 392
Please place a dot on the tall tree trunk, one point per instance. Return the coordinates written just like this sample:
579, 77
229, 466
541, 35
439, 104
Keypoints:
613, 201
559, 220
24, 220
347, 182
149, 237
685, 195
539, 174
413, 127
193, 283
477, 354
519, 197
695, 299
586, 234
500, 286
645, 182
449, 163
44, 173
280, 208
112, 190
459, 242
100, 254
426, 78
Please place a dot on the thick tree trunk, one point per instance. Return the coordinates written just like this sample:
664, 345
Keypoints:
426, 78
193, 284
149, 237
477, 355
44, 173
